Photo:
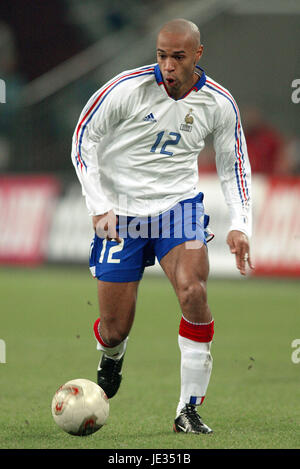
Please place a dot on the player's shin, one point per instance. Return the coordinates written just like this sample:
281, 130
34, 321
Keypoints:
196, 361
115, 352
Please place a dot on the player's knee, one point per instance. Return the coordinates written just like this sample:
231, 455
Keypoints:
191, 292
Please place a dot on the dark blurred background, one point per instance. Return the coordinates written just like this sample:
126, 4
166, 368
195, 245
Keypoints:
55, 54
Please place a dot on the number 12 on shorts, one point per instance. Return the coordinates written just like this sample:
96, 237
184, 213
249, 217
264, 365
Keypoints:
112, 250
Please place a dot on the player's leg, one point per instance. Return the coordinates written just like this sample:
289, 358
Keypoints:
117, 308
188, 271
119, 268
187, 267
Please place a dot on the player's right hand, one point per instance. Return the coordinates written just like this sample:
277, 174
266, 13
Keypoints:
105, 226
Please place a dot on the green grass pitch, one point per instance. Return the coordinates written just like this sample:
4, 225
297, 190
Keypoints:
254, 393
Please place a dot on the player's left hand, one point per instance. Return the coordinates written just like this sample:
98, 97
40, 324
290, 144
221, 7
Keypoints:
239, 245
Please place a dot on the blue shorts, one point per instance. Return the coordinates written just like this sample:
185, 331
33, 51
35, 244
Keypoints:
147, 238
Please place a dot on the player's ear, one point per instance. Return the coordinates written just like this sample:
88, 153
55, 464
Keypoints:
200, 52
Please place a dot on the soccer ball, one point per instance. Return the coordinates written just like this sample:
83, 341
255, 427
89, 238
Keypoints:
80, 407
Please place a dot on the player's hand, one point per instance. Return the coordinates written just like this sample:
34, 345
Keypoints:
105, 226
239, 245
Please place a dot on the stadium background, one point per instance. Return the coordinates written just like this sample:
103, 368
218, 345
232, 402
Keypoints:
55, 54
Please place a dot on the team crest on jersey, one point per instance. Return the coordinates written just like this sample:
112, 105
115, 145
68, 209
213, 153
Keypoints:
189, 120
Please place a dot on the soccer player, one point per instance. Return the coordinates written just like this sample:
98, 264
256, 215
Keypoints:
135, 151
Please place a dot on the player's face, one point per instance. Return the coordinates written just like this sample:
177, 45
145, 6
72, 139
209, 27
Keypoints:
177, 56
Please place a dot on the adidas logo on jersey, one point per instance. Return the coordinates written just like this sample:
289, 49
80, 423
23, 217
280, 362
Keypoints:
150, 118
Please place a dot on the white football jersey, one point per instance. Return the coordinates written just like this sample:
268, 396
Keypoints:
135, 148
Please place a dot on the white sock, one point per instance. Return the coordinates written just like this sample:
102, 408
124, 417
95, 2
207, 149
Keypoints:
196, 366
112, 352
116, 352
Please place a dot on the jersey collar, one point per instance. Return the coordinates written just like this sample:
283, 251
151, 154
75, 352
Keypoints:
197, 86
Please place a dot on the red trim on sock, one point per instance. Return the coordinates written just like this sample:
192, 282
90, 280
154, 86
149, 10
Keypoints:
97, 334
196, 332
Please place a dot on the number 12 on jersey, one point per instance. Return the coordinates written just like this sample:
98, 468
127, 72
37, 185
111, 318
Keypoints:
165, 143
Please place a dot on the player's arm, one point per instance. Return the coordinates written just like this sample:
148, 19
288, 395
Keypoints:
97, 118
234, 171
